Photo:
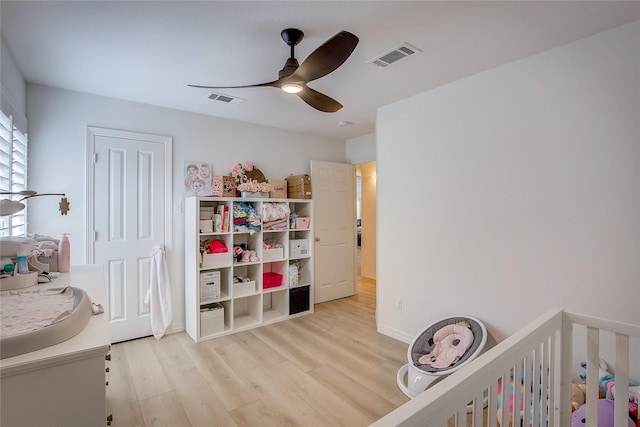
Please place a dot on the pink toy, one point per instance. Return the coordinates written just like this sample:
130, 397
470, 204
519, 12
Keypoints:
452, 341
605, 415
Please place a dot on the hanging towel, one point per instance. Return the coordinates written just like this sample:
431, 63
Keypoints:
158, 297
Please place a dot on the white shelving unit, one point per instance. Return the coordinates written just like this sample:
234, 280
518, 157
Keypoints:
247, 305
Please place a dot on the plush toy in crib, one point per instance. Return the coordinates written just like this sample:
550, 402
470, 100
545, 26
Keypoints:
578, 395
451, 342
605, 415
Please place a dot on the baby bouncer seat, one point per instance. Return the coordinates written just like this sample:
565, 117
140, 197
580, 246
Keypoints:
440, 349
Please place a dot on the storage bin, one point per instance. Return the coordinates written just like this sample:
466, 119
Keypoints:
212, 320
271, 280
273, 254
298, 248
279, 188
206, 226
209, 286
302, 222
223, 186
244, 288
299, 187
215, 260
298, 299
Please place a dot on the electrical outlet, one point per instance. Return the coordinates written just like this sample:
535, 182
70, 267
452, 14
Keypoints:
398, 303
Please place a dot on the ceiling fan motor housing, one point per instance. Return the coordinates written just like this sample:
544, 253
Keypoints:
289, 68
292, 36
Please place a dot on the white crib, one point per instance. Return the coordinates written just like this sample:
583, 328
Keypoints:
545, 343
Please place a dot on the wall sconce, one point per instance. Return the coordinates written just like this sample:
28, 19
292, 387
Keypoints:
9, 207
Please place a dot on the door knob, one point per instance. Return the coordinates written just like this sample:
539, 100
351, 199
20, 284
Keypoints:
317, 239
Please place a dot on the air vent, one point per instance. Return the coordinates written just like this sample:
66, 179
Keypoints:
394, 55
224, 98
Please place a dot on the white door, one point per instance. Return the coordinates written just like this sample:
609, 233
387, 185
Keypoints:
131, 190
332, 186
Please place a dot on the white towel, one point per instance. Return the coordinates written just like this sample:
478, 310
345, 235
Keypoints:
158, 297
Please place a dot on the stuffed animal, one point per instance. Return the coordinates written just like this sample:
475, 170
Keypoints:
578, 395
605, 415
249, 256
238, 250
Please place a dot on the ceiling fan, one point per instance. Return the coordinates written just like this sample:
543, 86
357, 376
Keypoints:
293, 78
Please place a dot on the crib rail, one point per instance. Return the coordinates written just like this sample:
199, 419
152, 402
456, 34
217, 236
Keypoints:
537, 362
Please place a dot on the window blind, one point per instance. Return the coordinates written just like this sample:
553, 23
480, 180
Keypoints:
13, 173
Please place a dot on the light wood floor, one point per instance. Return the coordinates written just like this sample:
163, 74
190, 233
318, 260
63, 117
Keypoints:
329, 368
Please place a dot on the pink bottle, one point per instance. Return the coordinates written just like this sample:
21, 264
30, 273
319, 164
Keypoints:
64, 254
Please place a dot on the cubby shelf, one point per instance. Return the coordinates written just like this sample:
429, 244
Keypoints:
252, 302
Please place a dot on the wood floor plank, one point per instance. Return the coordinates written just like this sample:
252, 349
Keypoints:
163, 410
255, 414
275, 336
331, 405
200, 403
356, 394
147, 374
228, 385
284, 402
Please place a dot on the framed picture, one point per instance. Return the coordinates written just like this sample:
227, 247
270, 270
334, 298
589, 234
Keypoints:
197, 179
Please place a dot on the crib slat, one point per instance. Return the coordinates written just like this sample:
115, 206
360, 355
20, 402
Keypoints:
593, 361
504, 398
517, 391
544, 384
621, 408
554, 380
537, 392
492, 405
566, 342
477, 409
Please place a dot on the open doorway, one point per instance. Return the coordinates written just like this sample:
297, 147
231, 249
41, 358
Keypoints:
366, 221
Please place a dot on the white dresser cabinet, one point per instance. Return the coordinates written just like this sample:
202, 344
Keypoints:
61, 385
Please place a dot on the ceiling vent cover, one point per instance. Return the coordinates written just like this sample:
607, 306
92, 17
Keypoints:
394, 55
224, 98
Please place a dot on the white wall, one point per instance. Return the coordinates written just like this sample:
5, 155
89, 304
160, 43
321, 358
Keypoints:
514, 190
58, 121
361, 149
14, 88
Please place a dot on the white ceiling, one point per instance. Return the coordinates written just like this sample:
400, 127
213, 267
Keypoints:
149, 51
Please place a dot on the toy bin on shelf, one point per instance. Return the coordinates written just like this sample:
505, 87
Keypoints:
271, 280
215, 260
302, 222
298, 299
244, 288
298, 248
211, 320
273, 254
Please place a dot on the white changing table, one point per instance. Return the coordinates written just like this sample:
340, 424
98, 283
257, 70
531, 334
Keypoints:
61, 385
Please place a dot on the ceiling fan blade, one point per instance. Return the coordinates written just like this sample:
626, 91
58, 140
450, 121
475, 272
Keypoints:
326, 58
275, 83
319, 101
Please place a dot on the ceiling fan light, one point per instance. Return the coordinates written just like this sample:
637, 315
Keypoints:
292, 88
